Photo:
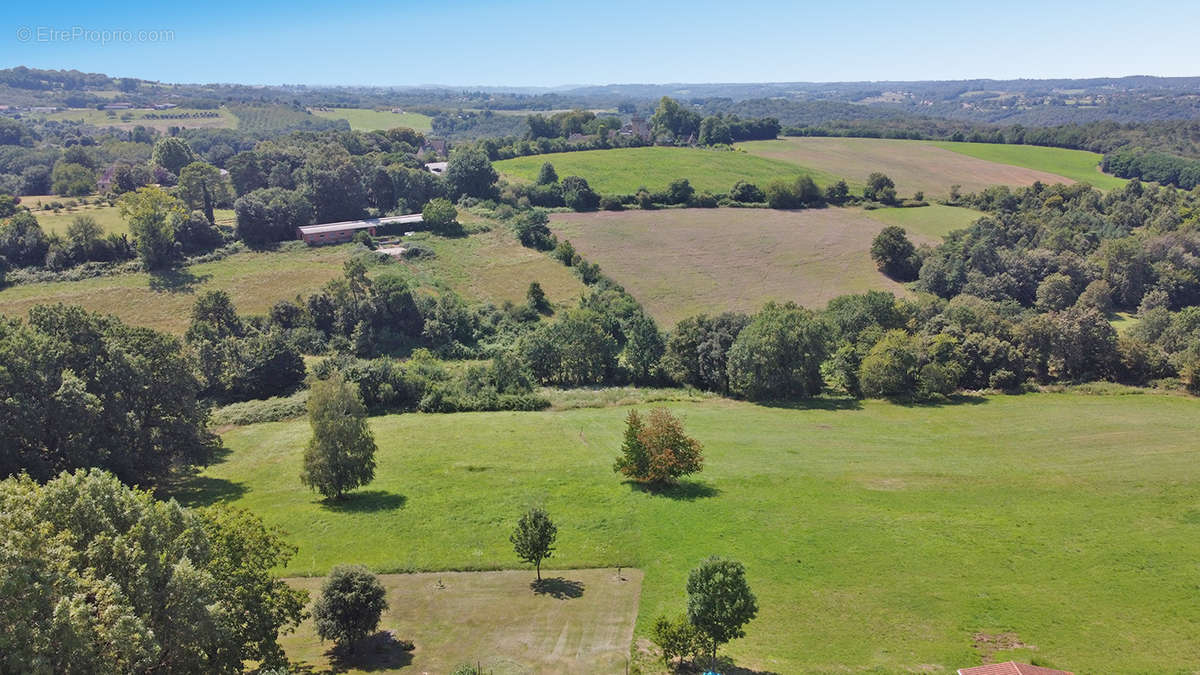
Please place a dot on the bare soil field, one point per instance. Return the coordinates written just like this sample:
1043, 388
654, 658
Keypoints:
577, 621
913, 165
681, 262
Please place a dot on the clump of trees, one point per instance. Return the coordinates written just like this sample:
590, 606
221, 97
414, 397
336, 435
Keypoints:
341, 453
657, 452
895, 255
99, 577
719, 605
533, 539
82, 390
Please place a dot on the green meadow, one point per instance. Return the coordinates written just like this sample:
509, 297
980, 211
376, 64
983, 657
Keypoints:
931, 222
878, 537
624, 170
1078, 165
361, 119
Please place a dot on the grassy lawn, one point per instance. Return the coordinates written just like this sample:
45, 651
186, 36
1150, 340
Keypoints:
491, 266
930, 222
107, 217
681, 262
913, 165
1077, 165
579, 621
361, 119
878, 537
128, 119
1123, 321
624, 170
255, 280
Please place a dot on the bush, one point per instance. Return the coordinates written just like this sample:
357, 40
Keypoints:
677, 638
895, 255
747, 192
363, 237
705, 200
680, 191
578, 195
265, 410
351, 604
440, 216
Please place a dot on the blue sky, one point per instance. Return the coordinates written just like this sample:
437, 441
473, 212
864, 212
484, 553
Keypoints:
546, 43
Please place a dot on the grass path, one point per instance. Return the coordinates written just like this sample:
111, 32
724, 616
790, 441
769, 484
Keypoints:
877, 536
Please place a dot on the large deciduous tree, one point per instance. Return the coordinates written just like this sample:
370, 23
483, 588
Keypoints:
778, 355
83, 390
657, 452
152, 215
100, 578
341, 454
351, 604
720, 602
470, 172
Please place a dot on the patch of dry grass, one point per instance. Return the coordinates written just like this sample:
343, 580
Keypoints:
913, 165
576, 621
681, 262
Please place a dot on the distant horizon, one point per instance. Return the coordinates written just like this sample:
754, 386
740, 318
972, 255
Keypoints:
582, 85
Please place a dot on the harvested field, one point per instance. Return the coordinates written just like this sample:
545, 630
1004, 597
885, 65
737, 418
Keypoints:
680, 262
576, 621
913, 165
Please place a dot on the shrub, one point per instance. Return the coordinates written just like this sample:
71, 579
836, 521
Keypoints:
351, 604
680, 191
747, 192
677, 638
363, 237
895, 255
440, 215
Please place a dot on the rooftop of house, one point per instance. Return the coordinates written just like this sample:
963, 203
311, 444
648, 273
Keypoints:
359, 224
1011, 668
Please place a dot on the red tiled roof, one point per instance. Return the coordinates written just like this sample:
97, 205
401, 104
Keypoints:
1011, 668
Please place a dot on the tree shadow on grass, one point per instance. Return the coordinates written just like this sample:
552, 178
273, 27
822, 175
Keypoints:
820, 403
954, 399
381, 651
558, 588
176, 280
684, 490
203, 491
366, 501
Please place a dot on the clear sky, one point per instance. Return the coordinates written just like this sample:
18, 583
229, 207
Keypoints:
548, 43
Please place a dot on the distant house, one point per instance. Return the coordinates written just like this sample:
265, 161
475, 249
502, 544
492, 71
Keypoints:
438, 168
164, 106
117, 106
636, 127
433, 146
337, 233
1011, 668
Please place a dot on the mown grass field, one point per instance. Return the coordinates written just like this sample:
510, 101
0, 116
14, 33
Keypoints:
362, 119
624, 170
1078, 165
107, 217
877, 537
927, 222
681, 262
128, 119
486, 266
913, 165
580, 621
491, 266
255, 281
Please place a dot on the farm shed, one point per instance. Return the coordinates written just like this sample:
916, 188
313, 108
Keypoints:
336, 233
1011, 668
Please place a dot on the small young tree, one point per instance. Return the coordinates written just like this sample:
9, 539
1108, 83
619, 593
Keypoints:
657, 453
341, 454
677, 638
533, 540
537, 298
719, 601
351, 603
547, 175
